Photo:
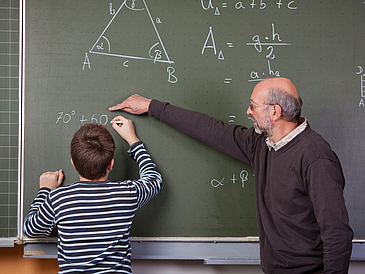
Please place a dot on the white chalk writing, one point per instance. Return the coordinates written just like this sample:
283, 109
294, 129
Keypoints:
243, 177
68, 117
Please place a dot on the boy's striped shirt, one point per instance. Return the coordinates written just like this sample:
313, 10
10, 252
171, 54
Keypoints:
94, 218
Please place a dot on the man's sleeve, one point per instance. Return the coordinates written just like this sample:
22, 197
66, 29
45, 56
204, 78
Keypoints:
326, 183
234, 140
40, 219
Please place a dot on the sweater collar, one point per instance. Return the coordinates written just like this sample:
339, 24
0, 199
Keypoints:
299, 129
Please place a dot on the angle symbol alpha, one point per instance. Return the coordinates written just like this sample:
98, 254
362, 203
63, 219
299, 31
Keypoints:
132, 33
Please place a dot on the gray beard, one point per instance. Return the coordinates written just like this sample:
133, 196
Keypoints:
258, 130
267, 131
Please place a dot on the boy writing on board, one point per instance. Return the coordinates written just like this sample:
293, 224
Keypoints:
94, 215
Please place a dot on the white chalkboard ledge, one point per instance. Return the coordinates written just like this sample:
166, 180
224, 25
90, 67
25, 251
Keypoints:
7, 242
211, 253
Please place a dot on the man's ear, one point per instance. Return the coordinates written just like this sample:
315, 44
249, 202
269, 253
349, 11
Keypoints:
276, 112
110, 166
72, 162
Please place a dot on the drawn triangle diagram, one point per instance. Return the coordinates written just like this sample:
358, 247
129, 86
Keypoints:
131, 33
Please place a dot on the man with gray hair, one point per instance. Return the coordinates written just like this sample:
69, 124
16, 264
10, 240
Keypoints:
302, 217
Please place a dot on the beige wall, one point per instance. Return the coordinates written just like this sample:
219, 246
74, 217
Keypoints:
12, 262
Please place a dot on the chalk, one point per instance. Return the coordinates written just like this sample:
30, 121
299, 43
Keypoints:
118, 122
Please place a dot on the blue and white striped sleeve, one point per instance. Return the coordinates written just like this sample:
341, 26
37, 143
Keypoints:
149, 183
40, 219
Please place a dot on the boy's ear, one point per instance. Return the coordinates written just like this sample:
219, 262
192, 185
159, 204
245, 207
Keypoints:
72, 162
110, 167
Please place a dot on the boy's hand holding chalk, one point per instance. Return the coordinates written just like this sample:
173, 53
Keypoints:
125, 129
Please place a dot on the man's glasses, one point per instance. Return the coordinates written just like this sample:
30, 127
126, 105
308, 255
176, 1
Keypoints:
252, 106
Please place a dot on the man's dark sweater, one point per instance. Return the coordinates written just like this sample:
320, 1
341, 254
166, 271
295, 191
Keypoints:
302, 217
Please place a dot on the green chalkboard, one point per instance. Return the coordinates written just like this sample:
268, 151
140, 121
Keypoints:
9, 118
83, 56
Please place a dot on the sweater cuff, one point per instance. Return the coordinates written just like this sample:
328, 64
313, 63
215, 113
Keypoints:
45, 188
155, 108
132, 149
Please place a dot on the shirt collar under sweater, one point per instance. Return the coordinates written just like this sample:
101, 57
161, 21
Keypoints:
276, 146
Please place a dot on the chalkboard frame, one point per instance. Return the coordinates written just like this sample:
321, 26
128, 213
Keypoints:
358, 254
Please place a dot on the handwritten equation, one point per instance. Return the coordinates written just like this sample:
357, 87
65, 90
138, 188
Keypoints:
68, 117
243, 177
264, 44
248, 4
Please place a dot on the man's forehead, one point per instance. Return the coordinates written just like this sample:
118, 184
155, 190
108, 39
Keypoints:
258, 94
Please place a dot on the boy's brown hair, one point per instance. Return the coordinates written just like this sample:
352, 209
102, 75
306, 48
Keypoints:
92, 149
